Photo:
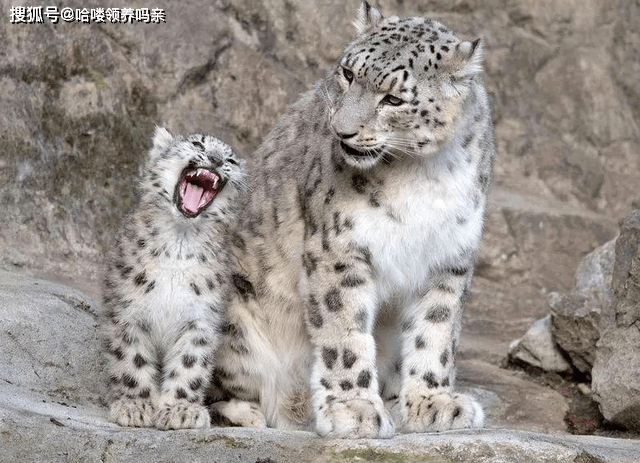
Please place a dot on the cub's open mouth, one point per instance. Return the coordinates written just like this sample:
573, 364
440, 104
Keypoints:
360, 154
196, 189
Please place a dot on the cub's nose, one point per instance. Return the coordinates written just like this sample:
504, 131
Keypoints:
215, 161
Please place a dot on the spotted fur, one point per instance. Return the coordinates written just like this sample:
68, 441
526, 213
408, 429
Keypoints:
166, 286
359, 244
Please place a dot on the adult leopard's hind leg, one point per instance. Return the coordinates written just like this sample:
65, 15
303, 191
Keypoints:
430, 330
236, 412
236, 380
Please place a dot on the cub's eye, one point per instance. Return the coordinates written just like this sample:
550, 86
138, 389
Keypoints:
347, 75
391, 100
232, 161
197, 144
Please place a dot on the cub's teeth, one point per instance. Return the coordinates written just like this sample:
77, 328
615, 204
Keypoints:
198, 172
215, 182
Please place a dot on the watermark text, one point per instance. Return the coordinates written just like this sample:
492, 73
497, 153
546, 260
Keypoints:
41, 14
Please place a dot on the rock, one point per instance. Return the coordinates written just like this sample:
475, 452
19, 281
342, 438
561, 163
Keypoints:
626, 272
511, 400
52, 408
575, 319
77, 440
594, 273
551, 242
49, 344
576, 327
616, 377
537, 348
578, 319
616, 371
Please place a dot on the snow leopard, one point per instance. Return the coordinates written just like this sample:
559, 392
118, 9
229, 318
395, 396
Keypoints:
168, 280
355, 255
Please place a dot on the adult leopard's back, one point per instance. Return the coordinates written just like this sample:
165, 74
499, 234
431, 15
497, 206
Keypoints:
358, 246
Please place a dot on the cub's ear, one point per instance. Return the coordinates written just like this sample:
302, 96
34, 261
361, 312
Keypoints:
161, 138
367, 18
468, 59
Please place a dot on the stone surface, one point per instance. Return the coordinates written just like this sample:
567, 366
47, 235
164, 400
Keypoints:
52, 408
64, 437
49, 342
594, 273
616, 372
580, 318
538, 348
576, 327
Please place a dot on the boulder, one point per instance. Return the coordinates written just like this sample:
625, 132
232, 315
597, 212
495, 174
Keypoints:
616, 371
576, 327
594, 273
537, 348
578, 319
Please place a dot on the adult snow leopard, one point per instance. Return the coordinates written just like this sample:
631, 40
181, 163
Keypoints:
168, 281
357, 250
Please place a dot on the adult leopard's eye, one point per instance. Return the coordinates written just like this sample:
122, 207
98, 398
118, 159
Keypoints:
391, 100
197, 144
347, 75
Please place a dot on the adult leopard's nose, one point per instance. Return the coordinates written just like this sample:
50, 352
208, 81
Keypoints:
345, 136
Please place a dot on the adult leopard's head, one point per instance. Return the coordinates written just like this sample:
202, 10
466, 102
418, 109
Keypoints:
191, 172
399, 88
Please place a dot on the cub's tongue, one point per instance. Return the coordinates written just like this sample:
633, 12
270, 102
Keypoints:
191, 197
195, 191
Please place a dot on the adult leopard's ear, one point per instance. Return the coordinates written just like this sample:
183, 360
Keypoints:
467, 60
161, 138
367, 18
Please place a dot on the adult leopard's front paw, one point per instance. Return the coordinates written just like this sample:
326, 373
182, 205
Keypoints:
181, 415
132, 412
440, 412
355, 418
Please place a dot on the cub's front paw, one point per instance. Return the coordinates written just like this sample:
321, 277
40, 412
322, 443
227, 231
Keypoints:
181, 414
354, 419
132, 412
440, 412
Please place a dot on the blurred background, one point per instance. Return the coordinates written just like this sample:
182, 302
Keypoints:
78, 103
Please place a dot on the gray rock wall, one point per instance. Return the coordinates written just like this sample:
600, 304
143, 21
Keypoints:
616, 370
79, 103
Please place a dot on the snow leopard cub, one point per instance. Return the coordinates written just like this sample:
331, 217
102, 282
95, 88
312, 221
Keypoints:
359, 243
168, 281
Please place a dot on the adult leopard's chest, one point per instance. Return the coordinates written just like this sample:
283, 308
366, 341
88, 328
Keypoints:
412, 219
